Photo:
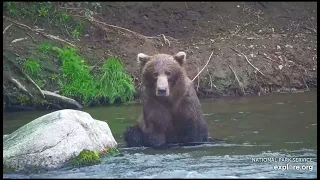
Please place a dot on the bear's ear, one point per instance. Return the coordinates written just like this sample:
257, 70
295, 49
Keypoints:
180, 57
143, 59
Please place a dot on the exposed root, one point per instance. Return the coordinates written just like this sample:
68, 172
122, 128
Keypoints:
20, 86
5, 29
239, 83
52, 37
49, 36
91, 19
305, 83
267, 57
26, 75
249, 61
198, 84
211, 82
20, 39
310, 29
165, 40
31, 37
63, 99
203, 66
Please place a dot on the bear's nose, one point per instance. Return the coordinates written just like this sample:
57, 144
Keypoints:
162, 91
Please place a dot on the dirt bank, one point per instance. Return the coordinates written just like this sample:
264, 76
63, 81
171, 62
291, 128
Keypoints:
257, 48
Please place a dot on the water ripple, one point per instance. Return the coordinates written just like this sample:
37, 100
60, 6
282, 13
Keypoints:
184, 165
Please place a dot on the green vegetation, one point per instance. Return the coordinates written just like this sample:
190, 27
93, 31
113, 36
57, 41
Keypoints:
76, 80
115, 83
85, 158
78, 30
45, 47
32, 67
45, 12
110, 84
110, 152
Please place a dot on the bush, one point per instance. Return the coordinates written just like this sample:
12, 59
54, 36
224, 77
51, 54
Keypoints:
76, 80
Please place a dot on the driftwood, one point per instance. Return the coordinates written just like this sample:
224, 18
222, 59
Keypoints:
63, 99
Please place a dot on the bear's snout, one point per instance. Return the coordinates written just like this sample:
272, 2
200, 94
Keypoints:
162, 91
162, 86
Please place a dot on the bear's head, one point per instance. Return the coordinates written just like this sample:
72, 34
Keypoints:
161, 73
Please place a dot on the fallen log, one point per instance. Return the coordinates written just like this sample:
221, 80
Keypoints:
63, 99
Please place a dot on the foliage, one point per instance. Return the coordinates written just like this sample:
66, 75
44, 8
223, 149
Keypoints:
115, 83
76, 80
110, 152
29, 9
32, 67
45, 47
85, 158
78, 30
46, 12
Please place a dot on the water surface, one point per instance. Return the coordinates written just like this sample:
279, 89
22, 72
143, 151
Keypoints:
259, 133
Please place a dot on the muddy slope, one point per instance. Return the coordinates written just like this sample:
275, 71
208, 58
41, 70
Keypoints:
257, 48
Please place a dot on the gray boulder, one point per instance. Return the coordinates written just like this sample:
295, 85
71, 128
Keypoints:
49, 141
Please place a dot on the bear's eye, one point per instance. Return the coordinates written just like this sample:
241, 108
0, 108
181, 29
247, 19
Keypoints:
155, 74
168, 73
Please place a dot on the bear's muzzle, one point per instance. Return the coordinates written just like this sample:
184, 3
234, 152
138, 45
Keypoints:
162, 88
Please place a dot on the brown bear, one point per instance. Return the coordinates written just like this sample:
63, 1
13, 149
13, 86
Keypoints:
171, 109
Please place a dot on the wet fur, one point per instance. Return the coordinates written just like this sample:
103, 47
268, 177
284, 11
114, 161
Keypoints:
171, 120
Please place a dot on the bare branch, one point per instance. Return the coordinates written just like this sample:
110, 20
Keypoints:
5, 29
203, 66
236, 77
248, 61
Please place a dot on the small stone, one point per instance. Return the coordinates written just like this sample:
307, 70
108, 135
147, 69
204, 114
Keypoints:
280, 66
289, 46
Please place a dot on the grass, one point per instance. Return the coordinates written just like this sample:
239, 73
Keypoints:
44, 13
32, 67
45, 47
77, 82
75, 79
114, 82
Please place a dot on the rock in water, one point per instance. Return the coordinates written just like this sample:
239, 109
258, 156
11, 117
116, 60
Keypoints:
48, 142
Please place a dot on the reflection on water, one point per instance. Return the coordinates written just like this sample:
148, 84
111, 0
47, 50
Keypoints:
278, 125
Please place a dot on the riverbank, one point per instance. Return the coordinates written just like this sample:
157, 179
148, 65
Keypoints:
258, 48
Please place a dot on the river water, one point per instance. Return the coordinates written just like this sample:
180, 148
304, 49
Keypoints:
265, 137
